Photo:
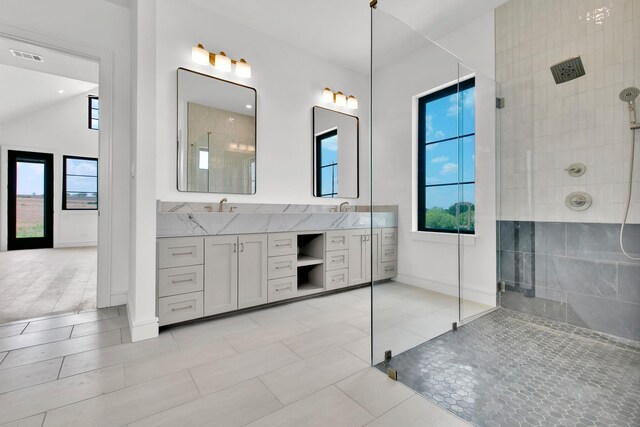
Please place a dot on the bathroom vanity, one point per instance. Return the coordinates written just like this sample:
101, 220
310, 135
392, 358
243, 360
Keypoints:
214, 263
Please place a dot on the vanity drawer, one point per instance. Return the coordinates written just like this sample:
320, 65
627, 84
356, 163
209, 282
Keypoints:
179, 308
180, 251
389, 236
283, 244
336, 240
336, 260
389, 269
282, 266
179, 280
389, 253
336, 279
280, 289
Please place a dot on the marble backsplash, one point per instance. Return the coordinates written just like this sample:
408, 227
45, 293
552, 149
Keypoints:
202, 219
193, 207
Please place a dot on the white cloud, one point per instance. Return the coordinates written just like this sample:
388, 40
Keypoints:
448, 168
439, 159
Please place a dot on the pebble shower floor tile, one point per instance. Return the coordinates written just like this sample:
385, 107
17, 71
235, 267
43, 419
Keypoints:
505, 370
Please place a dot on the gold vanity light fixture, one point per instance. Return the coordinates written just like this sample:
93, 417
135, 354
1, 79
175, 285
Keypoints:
220, 61
339, 99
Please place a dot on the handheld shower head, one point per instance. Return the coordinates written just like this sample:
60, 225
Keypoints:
629, 96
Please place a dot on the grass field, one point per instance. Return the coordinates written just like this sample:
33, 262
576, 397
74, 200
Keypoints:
30, 216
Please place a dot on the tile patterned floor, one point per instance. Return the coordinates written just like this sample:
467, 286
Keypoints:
301, 364
509, 369
42, 282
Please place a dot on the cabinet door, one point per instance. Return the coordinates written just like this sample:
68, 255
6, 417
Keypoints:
220, 274
252, 270
357, 263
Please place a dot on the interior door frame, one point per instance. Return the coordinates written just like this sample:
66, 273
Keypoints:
13, 242
105, 58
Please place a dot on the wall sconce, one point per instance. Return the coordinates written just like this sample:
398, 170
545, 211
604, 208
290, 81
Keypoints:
220, 61
339, 99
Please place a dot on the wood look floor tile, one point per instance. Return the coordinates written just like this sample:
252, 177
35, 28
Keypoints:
36, 338
127, 405
45, 397
28, 375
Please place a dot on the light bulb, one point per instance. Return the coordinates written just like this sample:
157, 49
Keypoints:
243, 69
327, 95
352, 102
199, 55
341, 100
222, 62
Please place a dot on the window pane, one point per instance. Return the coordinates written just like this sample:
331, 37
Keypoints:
81, 200
441, 163
30, 200
203, 161
468, 111
441, 118
95, 114
82, 167
95, 103
94, 124
468, 159
467, 207
329, 150
82, 184
440, 202
328, 181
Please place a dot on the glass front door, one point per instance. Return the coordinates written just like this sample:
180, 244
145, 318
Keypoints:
30, 214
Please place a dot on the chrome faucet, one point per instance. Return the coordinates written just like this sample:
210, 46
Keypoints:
343, 204
221, 204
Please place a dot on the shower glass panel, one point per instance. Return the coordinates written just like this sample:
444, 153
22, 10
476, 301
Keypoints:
432, 120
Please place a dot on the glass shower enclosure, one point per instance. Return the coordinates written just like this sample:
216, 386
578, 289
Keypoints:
433, 159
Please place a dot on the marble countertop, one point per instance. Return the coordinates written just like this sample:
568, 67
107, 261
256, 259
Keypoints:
175, 224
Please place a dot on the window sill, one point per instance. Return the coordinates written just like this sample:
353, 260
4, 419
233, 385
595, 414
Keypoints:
443, 238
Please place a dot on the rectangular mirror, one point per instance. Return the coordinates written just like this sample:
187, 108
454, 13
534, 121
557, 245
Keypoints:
336, 142
216, 135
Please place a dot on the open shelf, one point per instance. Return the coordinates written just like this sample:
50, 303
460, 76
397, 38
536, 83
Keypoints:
304, 260
308, 289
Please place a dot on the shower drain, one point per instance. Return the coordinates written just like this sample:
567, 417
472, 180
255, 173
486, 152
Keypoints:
578, 201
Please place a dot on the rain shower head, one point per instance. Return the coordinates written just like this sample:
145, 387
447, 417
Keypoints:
567, 70
629, 94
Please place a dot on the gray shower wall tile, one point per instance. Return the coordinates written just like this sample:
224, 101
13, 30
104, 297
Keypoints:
602, 241
629, 283
550, 238
522, 268
542, 307
517, 236
583, 276
604, 315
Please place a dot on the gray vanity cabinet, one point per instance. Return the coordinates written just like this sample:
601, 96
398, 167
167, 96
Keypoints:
252, 270
220, 274
360, 247
235, 272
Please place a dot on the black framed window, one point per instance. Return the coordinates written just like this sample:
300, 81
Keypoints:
446, 159
94, 112
327, 164
79, 183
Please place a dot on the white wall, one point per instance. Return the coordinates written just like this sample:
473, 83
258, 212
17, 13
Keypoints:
287, 89
60, 129
545, 127
430, 260
100, 29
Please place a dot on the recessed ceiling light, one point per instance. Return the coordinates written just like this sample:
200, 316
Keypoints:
249, 106
61, 91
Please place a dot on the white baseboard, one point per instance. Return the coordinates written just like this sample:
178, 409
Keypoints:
119, 299
142, 329
470, 293
75, 244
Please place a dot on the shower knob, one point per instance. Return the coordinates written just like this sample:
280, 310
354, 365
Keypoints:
576, 169
578, 201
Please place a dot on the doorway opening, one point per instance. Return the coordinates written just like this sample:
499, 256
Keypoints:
49, 154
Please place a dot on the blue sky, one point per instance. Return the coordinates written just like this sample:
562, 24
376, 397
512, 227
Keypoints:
31, 177
451, 161
328, 155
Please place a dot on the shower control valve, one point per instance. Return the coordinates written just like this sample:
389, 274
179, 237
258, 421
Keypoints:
576, 169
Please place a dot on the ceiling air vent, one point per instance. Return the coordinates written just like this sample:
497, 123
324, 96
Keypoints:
26, 55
